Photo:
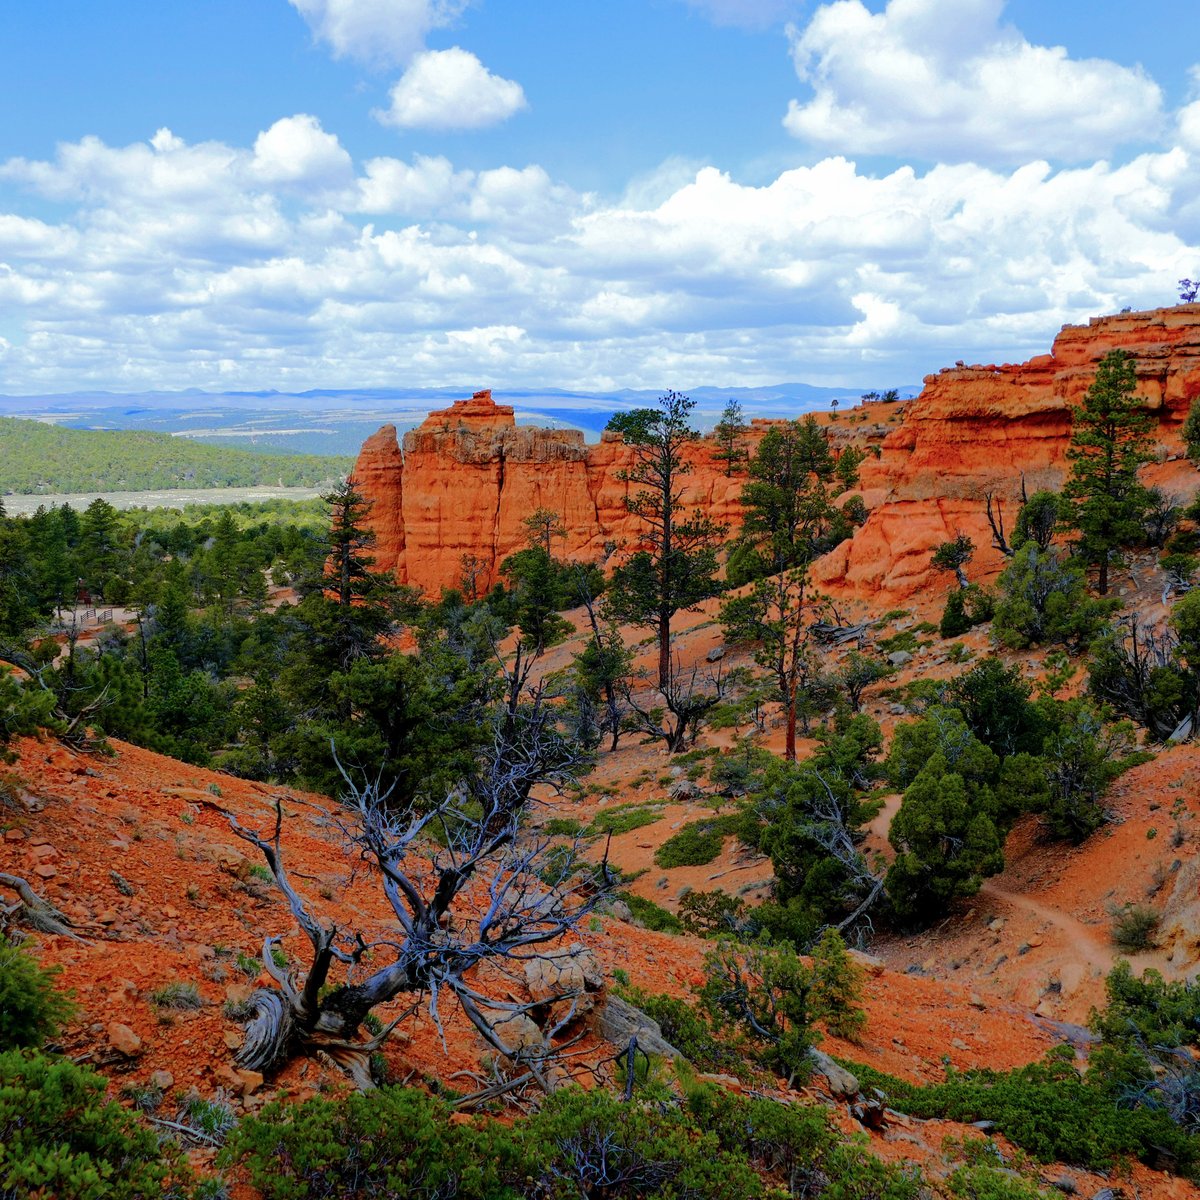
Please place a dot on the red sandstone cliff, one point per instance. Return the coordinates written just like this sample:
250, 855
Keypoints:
978, 429
469, 474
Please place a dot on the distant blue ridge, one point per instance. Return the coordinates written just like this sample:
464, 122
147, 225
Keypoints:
337, 421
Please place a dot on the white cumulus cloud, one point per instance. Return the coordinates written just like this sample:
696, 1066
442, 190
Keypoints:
284, 263
379, 32
297, 150
451, 89
946, 80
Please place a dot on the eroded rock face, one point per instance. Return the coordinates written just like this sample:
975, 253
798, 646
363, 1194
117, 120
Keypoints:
567, 980
379, 473
468, 476
980, 429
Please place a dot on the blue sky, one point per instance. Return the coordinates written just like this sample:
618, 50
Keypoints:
643, 193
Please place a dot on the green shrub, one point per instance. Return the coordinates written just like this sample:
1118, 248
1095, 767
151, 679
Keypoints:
589, 1144
22, 711
688, 1029
397, 1143
31, 1009
1149, 1010
795, 1148
560, 863
1044, 601
562, 827
694, 845
652, 916
1180, 566
980, 604
906, 639
945, 840
781, 1140
387, 1145
982, 1182
59, 1138
1047, 1110
837, 985
623, 818
1083, 755
735, 771
708, 913
764, 992
1135, 927
954, 621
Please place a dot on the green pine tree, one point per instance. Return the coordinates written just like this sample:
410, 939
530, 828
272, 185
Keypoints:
1110, 442
730, 434
674, 570
787, 503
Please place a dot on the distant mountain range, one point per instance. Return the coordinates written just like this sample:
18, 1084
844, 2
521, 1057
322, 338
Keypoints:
337, 421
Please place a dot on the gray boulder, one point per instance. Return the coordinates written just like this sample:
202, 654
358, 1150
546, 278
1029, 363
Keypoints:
617, 1020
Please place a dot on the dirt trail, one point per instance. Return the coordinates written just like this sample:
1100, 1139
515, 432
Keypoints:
1090, 950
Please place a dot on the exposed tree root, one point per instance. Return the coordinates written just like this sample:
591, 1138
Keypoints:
35, 912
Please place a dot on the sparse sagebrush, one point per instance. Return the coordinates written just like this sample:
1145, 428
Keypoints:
238, 1010
185, 997
1135, 928
208, 1120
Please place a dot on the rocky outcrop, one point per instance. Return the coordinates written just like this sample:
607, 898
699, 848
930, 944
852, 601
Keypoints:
976, 430
465, 479
379, 473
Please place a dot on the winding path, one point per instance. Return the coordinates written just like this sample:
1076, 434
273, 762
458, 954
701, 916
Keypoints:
1092, 949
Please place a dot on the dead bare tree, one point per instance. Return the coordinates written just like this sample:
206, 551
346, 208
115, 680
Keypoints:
828, 828
688, 696
995, 520
472, 572
478, 898
775, 615
821, 817
1130, 658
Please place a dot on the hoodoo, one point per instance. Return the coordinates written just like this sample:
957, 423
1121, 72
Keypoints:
464, 480
469, 475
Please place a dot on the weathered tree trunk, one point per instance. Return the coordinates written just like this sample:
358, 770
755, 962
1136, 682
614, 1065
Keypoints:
39, 914
268, 1033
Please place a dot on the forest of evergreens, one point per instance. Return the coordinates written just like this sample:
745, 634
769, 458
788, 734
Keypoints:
39, 457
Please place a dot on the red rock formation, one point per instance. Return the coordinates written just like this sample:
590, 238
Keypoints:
379, 473
469, 475
979, 429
